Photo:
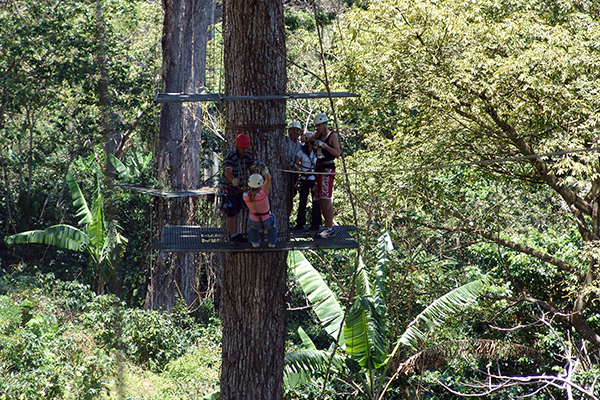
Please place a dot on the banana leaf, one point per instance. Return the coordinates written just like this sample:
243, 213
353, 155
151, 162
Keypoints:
64, 236
321, 298
79, 201
438, 311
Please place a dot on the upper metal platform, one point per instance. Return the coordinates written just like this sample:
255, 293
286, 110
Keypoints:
168, 194
195, 238
188, 97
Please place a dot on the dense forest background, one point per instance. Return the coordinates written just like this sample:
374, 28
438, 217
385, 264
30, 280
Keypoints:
470, 171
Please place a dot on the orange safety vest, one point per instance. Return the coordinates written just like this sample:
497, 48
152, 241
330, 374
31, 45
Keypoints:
259, 208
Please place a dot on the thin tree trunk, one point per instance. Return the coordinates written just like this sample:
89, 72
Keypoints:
179, 151
254, 284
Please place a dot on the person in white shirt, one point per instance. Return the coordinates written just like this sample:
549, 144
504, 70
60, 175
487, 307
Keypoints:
307, 160
293, 145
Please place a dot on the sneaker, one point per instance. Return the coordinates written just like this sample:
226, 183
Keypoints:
313, 228
271, 245
255, 244
296, 228
327, 233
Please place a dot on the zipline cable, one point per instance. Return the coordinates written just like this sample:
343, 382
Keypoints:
463, 164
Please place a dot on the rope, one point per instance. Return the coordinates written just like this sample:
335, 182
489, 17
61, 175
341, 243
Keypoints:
350, 195
464, 164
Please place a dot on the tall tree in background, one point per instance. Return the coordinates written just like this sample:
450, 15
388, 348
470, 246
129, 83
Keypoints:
254, 283
179, 154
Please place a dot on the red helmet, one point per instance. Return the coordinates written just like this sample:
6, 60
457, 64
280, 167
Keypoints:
242, 140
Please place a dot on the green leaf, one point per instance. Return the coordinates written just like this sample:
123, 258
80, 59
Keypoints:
438, 311
79, 201
119, 167
320, 296
364, 334
307, 343
63, 236
301, 365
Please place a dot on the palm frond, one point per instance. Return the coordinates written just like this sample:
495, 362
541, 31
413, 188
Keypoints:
438, 311
321, 298
436, 356
63, 236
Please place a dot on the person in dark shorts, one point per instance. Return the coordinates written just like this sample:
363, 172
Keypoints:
238, 166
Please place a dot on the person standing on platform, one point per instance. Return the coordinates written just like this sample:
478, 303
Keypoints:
329, 143
293, 145
238, 165
307, 160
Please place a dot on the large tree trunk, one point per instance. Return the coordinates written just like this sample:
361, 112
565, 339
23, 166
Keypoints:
179, 151
254, 284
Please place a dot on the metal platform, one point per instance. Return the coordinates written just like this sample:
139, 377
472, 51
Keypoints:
168, 194
187, 97
195, 238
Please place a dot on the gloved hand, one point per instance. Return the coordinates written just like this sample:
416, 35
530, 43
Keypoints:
320, 144
262, 169
235, 182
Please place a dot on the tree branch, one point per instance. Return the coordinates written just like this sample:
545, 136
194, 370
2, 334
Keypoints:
471, 227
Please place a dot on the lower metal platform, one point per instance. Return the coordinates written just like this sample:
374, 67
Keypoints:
195, 238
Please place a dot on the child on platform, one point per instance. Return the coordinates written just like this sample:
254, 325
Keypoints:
260, 215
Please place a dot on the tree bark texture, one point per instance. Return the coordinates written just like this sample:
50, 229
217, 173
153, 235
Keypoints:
179, 145
253, 310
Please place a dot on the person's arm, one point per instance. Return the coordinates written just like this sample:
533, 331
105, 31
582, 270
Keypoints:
229, 175
335, 148
267, 184
298, 160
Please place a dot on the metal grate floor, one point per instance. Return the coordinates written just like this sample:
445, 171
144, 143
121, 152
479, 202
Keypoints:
195, 238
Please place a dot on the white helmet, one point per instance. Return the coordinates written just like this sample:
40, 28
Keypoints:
256, 181
295, 124
320, 118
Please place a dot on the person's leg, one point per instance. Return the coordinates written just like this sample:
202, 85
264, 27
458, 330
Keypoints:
291, 193
301, 218
271, 227
232, 225
233, 210
326, 206
316, 219
254, 232
326, 198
